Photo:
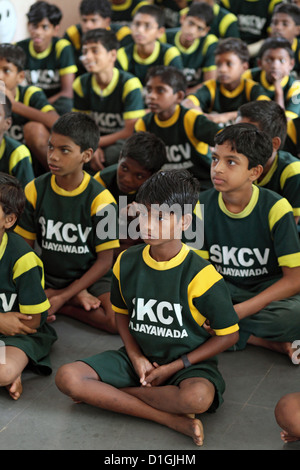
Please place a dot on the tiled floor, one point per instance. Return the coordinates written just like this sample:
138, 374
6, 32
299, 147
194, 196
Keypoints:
45, 419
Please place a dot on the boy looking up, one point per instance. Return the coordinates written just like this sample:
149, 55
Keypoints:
66, 211
94, 14
32, 114
167, 368
147, 27
195, 44
111, 96
286, 24
281, 173
275, 63
50, 61
23, 303
15, 158
220, 99
251, 238
186, 133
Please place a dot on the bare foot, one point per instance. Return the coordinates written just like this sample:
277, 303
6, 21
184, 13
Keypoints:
86, 300
15, 389
190, 427
287, 438
281, 347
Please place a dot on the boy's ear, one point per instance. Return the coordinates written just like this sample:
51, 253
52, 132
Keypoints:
87, 155
245, 66
161, 31
181, 95
20, 77
186, 221
276, 141
7, 123
10, 221
255, 172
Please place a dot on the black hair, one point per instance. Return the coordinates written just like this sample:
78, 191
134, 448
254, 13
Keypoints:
246, 139
93, 7
170, 188
13, 54
40, 10
106, 37
276, 43
169, 75
153, 10
12, 197
269, 116
288, 9
234, 45
6, 103
147, 149
203, 11
79, 127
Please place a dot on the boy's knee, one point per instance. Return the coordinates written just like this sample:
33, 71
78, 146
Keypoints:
287, 410
198, 397
7, 375
34, 131
66, 379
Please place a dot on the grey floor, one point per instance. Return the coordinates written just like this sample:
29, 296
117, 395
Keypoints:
45, 419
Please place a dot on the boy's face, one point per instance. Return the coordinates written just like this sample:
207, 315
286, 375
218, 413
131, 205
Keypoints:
192, 28
145, 30
229, 170
10, 75
158, 227
131, 175
160, 97
64, 157
283, 26
277, 64
96, 58
94, 21
230, 68
41, 34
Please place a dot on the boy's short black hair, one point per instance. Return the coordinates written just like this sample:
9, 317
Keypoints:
289, 9
234, 45
94, 7
7, 106
275, 43
40, 10
248, 140
14, 54
169, 75
79, 127
147, 149
106, 37
169, 188
152, 10
203, 11
269, 116
12, 197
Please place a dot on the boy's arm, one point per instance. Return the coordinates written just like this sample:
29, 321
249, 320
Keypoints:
287, 286
124, 133
66, 90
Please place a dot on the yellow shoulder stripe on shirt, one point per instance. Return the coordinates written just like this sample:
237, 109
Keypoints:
290, 170
116, 272
279, 209
27, 262
30, 193
102, 200
74, 36
189, 123
18, 155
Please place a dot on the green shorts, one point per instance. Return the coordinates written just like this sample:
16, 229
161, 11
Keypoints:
115, 368
100, 287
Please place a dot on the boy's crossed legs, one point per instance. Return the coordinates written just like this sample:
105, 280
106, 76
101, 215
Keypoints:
10, 373
168, 405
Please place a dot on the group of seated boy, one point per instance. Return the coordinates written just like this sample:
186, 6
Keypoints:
184, 103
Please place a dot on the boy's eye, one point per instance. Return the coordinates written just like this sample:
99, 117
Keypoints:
231, 162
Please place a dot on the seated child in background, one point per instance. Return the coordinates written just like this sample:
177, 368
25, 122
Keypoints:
172, 10
50, 62
167, 369
146, 50
32, 114
224, 25
111, 96
220, 99
287, 414
142, 155
94, 14
275, 63
66, 211
281, 173
186, 133
124, 10
24, 331
251, 238
286, 24
15, 158
195, 44
292, 141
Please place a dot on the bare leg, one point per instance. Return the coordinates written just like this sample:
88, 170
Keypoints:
81, 383
287, 413
36, 136
10, 372
102, 317
284, 347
